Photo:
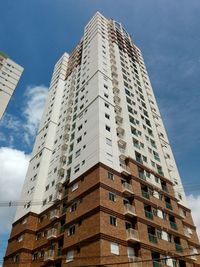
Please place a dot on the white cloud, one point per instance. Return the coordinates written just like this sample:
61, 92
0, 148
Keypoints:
13, 166
194, 204
27, 125
35, 102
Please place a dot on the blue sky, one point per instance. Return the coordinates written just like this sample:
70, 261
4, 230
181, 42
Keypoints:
35, 33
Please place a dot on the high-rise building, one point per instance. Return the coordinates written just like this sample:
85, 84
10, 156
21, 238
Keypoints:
102, 187
10, 73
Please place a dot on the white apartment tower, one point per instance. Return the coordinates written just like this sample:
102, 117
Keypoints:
101, 111
10, 73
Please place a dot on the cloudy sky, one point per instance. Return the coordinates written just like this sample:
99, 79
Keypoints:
35, 34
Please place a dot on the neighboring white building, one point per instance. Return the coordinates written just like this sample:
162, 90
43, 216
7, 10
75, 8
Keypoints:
10, 73
100, 108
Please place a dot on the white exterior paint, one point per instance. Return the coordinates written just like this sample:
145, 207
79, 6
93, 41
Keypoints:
73, 136
10, 73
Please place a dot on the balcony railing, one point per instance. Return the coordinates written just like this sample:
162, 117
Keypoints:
164, 188
135, 261
129, 210
125, 169
132, 235
157, 264
153, 238
145, 194
62, 229
149, 214
173, 225
54, 214
52, 233
59, 251
57, 196
142, 176
168, 205
178, 247
49, 255
127, 188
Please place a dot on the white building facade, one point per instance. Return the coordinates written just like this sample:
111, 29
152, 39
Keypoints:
10, 73
102, 110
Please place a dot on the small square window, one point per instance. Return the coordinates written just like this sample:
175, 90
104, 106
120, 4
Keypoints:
107, 116
110, 176
107, 128
113, 221
114, 248
108, 141
70, 256
71, 230
112, 196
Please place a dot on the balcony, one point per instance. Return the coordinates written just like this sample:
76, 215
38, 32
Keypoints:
157, 264
135, 261
116, 90
125, 169
149, 214
122, 158
69, 110
71, 94
67, 127
164, 188
115, 82
68, 117
168, 205
49, 255
173, 225
63, 159
153, 238
132, 235
121, 143
181, 213
117, 99
70, 102
54, 214
64, 147
66, 137
57, 196
145, 194
129, 210
120, 131
52, 233
118, 109
61, 172
142, 176
59, 251
127, 189
178, 247
118, 119
62, 229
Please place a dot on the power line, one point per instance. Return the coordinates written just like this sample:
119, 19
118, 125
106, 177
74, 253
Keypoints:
116, 263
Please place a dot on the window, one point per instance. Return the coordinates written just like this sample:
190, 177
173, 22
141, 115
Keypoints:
71, 230
73, 207
108, 141
112, 196
106, 105
79, 139
74, 187
107, 128
107, 116
114, 248
78, 152
80, 127
70, 256
110, 176
113, 221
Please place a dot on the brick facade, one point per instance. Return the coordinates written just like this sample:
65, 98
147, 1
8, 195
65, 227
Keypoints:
100, 208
